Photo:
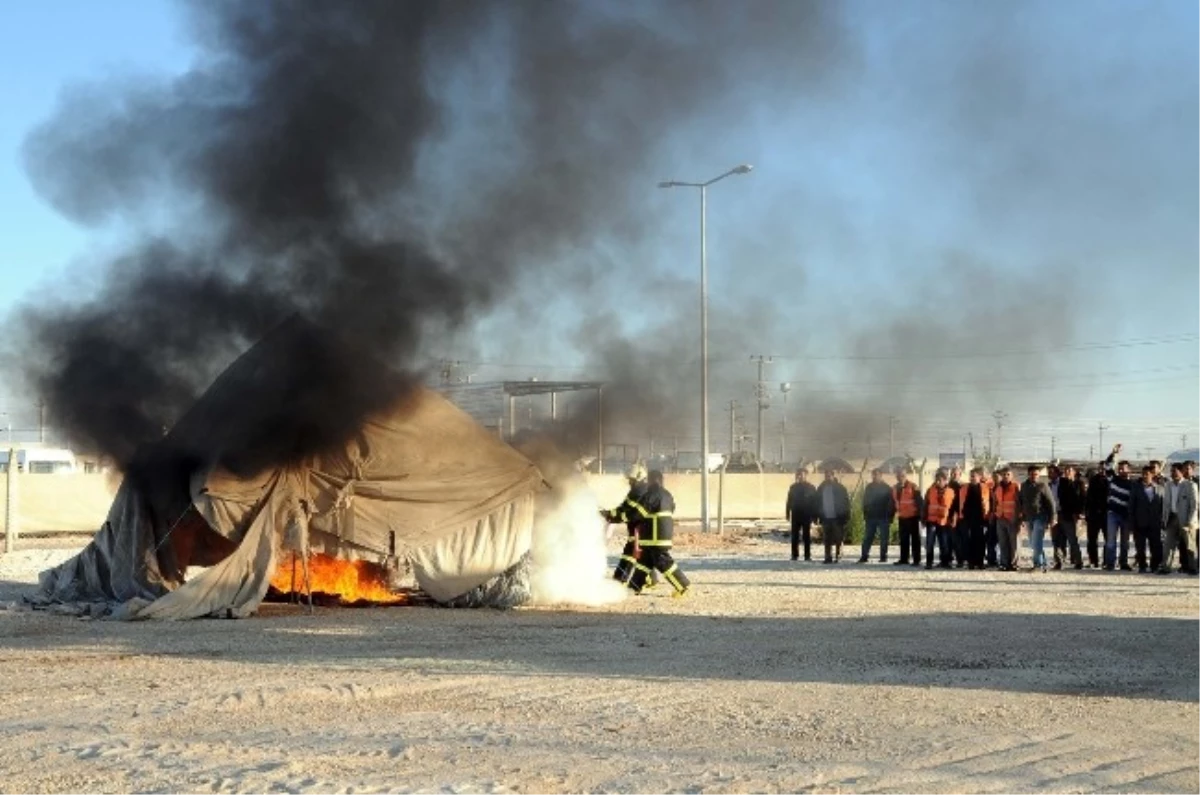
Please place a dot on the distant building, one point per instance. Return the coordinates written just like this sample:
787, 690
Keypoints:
41, 461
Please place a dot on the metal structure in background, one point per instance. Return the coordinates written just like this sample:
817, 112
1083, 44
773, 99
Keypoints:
703, 186
764, 399
1000, 417
493, 404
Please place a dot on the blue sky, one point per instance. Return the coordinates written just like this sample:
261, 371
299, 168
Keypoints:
45, 47
1077, 179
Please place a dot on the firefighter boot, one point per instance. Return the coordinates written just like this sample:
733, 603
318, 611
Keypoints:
641, 575
678, 580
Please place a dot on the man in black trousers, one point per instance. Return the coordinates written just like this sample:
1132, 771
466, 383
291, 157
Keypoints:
1097, 514
799, 510
1065, 534
907, 498
1146, 514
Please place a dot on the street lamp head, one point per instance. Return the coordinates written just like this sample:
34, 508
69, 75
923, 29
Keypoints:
744, 168
666, 184
785, 387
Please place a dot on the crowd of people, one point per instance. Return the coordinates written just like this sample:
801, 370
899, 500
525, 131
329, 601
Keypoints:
977, 523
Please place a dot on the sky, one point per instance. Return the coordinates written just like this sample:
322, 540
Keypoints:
957, 151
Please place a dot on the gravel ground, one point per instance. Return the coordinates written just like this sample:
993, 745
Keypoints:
773, 676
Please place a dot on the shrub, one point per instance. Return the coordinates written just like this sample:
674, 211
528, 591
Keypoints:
856, 528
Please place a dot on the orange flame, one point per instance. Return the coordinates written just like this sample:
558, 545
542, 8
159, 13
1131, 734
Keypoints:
351, 580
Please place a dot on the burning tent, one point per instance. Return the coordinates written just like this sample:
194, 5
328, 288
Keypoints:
418, 485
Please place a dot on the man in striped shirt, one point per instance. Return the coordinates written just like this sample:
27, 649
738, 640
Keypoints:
1119, 488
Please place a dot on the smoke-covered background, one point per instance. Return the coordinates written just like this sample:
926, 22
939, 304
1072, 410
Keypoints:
951, 205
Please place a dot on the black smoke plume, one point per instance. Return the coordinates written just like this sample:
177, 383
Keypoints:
384, 169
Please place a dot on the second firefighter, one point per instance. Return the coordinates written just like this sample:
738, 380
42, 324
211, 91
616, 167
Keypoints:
655, 528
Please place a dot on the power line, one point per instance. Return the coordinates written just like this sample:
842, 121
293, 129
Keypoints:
1085, 346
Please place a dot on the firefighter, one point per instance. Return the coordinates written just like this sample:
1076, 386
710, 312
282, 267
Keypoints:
628, 513
939, 501
655, 528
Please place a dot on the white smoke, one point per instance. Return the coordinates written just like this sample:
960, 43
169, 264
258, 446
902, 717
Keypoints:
570, 559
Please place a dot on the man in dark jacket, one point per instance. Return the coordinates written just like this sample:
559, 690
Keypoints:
833, 512
1064, 534
1146, 515
1189, 472
799, 511
974, 508
878, 510
1038, 511
1097, 514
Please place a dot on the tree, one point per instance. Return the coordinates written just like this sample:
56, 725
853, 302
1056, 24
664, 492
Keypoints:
987, 459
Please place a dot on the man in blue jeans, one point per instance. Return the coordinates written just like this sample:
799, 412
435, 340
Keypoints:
878, 509
1120, 488
1036, 504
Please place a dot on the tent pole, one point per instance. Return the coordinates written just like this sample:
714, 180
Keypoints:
307, 583
294, 597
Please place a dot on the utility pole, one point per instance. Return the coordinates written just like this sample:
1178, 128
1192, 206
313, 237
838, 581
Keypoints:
733, 405
1103, 428
785, 387
1052, 441
42, 424
891, 437
1091, 453
1183, 442
764, 399
1000, 417
971, 438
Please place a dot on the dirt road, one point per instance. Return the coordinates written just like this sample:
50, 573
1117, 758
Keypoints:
773, 676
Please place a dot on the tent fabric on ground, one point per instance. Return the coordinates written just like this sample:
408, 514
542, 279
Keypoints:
422, 483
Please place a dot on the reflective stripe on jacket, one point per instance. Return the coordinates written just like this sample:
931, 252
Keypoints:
655, 525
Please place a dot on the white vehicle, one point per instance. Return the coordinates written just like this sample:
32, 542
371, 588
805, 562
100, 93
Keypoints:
41, 461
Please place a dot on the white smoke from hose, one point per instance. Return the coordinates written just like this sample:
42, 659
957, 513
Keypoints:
570, 557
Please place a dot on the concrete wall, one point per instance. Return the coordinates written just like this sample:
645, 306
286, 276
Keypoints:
58, 503
79, 503
746, 496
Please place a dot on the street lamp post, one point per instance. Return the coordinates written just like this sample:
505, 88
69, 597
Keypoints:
703, 186
785, 387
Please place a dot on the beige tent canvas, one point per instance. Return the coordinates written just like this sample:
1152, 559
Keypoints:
419, 483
